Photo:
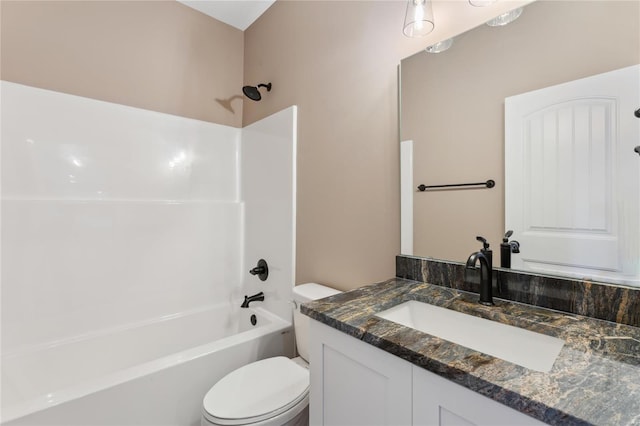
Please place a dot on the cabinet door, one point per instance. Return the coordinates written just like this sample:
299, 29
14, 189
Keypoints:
437, 401
354, 383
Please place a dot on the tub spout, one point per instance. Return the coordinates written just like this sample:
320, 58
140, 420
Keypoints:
255, 298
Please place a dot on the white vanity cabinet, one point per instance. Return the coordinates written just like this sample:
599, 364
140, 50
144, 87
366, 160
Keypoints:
438, 401
354, 383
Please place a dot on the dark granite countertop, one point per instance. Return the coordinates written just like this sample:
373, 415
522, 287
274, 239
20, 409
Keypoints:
594, 380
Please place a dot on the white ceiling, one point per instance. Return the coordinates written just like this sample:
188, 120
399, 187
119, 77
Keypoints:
237, 13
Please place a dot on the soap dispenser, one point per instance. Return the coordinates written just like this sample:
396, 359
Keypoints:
506, 248
488, 253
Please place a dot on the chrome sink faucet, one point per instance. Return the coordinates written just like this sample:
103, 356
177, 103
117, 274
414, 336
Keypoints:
484, 256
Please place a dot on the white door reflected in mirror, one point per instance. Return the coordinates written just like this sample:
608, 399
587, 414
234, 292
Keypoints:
572, 179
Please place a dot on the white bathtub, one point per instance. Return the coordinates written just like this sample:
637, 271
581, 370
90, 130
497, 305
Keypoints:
152, 373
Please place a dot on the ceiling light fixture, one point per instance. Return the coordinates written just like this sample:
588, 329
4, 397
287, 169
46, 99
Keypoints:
505, 18
440, 46
418, 21
481, 3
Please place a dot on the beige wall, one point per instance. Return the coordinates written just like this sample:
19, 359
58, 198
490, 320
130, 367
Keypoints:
337, 61
453, 106
157, 55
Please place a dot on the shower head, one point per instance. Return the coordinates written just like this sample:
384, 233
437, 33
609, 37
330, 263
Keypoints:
253, 93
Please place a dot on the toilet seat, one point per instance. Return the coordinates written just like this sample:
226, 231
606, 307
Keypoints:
258, 392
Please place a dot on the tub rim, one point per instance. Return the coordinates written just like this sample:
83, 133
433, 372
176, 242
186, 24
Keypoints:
76, 391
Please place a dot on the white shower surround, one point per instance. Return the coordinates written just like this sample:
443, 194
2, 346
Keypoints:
113, 215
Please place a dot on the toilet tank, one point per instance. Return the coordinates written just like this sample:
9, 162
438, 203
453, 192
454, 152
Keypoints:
301, 294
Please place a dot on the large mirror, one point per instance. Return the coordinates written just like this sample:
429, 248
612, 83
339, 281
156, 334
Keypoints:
453, 111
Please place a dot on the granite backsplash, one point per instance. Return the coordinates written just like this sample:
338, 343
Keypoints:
592, 299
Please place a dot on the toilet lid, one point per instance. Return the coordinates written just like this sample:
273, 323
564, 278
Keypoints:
257, 391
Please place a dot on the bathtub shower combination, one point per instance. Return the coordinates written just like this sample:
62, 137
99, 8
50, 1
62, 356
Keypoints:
127, 240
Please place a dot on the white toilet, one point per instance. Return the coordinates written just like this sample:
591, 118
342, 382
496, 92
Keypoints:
272, 391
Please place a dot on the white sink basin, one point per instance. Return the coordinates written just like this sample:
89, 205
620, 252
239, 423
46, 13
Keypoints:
523, 347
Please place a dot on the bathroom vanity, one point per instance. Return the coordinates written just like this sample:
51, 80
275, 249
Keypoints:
373, 367
377, 359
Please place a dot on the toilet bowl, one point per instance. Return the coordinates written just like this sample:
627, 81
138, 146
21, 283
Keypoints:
272, 391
